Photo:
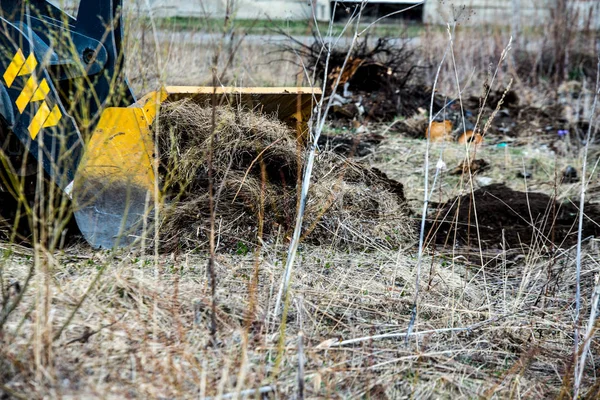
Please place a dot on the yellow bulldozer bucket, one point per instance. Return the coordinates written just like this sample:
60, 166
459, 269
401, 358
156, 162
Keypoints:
116, 186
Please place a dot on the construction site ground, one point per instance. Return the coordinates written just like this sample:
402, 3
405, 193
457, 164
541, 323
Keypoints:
496, 282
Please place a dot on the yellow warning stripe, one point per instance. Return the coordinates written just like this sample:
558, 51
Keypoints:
53, 118
14, 68
29, 66
41, 92
26, 94
44, 118
38, 120
32, 92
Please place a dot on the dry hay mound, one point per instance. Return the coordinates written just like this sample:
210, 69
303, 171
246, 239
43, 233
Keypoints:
497, 217
256, 165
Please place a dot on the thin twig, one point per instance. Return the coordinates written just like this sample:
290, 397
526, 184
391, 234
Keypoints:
89, 333
469, 329
413, 316
320, 122
248, 392
300, 392
589, 333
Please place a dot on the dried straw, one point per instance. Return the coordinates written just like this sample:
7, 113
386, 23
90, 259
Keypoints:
256, 157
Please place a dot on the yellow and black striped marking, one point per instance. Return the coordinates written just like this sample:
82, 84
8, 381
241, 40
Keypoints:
32, 92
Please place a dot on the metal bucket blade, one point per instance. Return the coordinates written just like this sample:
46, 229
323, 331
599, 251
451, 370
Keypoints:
113, 191
112, 216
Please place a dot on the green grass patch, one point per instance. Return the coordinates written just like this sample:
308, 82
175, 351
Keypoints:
294, 28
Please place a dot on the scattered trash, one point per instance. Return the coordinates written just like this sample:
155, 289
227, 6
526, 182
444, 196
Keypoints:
439, 132
475, 167
532, 120
470, 137
484, 180
524, 174
570, 175
562, 133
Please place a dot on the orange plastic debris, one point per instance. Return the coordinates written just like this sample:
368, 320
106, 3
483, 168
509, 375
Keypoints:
440, 131
471, 137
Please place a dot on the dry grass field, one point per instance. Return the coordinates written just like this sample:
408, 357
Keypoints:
494, 315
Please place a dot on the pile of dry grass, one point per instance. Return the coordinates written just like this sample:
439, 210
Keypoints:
256, 162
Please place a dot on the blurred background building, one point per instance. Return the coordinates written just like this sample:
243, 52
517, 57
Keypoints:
585, 13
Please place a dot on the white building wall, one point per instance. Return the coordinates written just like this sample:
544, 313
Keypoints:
507, 12
243, 9
530, 12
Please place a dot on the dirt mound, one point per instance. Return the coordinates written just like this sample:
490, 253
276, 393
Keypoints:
377, 84
499, 217
256, 164
356, 145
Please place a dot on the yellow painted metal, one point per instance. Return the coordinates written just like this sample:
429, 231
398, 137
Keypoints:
32, 92
44, 118
29, 65
115, 181
41, 92
291, 105
53, 118
120, 149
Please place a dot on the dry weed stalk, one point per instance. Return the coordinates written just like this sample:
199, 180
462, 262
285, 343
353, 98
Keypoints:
426, 198
314, 134
578, 370
440, 164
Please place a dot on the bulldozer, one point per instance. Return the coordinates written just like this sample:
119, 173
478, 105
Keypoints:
67, 112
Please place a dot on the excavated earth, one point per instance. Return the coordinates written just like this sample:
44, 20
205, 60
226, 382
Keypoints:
497, 217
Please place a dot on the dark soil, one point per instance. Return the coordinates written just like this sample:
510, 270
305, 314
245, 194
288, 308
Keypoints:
351, 145
378, 83
509, 219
